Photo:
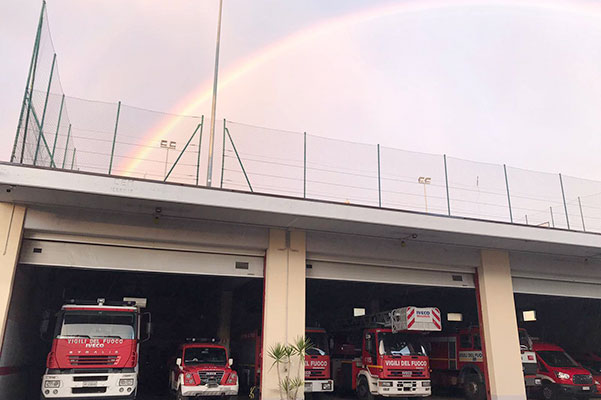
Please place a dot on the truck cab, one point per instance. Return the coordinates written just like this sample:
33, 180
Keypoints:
561, 374
399, 362
317, 362
94, 351
203, 369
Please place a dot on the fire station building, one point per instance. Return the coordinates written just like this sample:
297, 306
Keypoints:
227, 260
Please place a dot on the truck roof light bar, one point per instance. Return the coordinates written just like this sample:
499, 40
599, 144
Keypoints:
202, 340
101, 302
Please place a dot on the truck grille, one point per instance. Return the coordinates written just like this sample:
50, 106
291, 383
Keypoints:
88, 390
583, 380
400, 373
93, 360
90, 378
210, 377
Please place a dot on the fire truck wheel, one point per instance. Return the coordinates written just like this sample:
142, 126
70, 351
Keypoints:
549, 392
473, 388
363, 392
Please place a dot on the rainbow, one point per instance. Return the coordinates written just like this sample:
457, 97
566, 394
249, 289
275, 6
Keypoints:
203, 94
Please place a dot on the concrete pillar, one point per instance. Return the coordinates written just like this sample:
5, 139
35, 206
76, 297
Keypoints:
225, 320
284, 308
499, 327
12, 218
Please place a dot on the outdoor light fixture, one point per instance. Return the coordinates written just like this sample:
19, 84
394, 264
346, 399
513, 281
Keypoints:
425, 180
358, 312
167, 145
454, 317
529, 316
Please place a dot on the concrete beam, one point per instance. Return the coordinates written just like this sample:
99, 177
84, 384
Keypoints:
284, 308
499, 328
12, 218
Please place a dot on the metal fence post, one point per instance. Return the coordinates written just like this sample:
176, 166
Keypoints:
581, 214
304, 165
66, 146
552, 218
565, 205
379, 180
114, 137
58, 125
222, 156
446, 180
202, 123
239, 159
37, 147
30, 77
73, 159
508, 196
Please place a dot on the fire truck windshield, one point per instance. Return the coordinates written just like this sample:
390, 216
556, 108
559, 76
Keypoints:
97, 324
319, 342
399, 344
204, 355
557, 358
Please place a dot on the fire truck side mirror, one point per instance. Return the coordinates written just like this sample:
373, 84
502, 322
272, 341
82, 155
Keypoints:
231, 362
178, 362
45, 325
148, 331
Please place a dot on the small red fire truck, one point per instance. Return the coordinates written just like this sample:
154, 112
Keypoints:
95, 351
203, 369
317, 361
392, 361
457, 361
561, 374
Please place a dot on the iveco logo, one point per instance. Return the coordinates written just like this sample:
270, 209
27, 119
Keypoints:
95, 345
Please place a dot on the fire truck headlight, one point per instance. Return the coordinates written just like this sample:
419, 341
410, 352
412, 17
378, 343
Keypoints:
562, 375
126, 382
52, 384
326, 386
426, 384
385, 383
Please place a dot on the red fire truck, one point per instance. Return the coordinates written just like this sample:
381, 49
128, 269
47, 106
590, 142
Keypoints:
392, 361
457, 361
561, 374
203, 369
317, 361
95, 351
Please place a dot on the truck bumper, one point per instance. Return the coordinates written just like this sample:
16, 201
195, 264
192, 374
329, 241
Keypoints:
205, 390
89, 386
404, 388
578, 390
319, 385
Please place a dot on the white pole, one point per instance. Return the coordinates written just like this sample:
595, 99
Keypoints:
214, 102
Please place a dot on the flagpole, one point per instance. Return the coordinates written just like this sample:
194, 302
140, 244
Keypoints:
214, 101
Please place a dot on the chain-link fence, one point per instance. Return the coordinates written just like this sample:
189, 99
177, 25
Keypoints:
59, 131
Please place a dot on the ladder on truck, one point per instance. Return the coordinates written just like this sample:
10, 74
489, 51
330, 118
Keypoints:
399, 319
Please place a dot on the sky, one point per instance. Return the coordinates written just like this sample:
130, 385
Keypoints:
489, 81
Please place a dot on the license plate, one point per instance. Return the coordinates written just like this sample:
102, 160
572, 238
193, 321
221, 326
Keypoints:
586, 388
90, 384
